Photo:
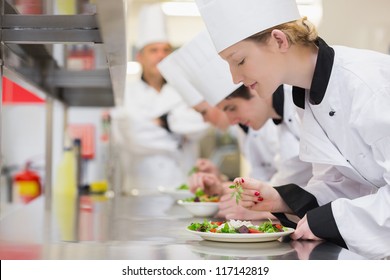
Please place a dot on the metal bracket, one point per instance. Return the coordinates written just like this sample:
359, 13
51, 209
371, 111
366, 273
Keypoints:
50, 29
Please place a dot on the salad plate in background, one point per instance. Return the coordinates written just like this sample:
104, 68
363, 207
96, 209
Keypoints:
178, 193
200, 209
201, 204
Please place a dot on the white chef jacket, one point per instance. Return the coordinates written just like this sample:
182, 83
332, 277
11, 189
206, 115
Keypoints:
155, 156
259, 148
290, 168
273, 150
346, 134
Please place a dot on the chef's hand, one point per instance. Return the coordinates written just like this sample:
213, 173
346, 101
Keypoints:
207, 166
260, 196
303, 231
208, 182
228, 209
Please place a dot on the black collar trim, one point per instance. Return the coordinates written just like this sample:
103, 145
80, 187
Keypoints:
143, 79
321, 76
244, 128
278, 104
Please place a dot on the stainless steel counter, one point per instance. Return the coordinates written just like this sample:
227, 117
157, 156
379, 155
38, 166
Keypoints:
149, 227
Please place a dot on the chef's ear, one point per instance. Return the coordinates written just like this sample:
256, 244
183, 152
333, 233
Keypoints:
281, 39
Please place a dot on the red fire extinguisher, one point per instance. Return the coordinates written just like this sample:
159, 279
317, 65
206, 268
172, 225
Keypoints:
28, 184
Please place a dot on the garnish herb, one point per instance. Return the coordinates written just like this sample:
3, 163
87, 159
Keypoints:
238, 190
183, 187
193, 170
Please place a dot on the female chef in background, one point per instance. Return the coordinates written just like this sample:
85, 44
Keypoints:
157, 131
345, 93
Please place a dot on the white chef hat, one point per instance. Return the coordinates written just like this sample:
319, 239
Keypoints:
230, 21
171, 70
152, 27
205, 69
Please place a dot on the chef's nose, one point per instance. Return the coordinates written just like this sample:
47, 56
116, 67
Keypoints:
236, 76
234, 120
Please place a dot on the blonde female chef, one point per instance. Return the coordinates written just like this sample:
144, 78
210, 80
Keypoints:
345, 93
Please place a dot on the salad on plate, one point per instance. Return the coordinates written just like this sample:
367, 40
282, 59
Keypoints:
200, 196
239, 231
237, 227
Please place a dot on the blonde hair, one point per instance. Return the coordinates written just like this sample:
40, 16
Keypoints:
300, 32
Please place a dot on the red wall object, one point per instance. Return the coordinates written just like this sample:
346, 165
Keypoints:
85, 132
15, 94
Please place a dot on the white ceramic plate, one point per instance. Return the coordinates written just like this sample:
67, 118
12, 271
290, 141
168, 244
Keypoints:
241, 237
175, 193
200, 209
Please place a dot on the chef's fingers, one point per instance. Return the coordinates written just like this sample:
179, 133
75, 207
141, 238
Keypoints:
246, 203
210, 179
249, 183
226, 199
251, 196
227, 189
195, 182
299, 231
227, 203
204, 165
303, 231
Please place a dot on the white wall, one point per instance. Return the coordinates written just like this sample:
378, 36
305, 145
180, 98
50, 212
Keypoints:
23, 127
357, 23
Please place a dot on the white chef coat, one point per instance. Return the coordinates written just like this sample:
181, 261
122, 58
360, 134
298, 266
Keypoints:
290, 168
259, 148
273, 150
152, 155
346, 134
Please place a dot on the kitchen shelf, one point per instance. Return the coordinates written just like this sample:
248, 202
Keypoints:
27, 57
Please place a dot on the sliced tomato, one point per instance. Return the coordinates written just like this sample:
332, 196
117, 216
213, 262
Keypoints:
217, 223
213, 230
253, 230
279, 227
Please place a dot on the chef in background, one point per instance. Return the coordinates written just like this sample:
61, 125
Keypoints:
157, 132
201, 70
186, 63
171, 70
210, 75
